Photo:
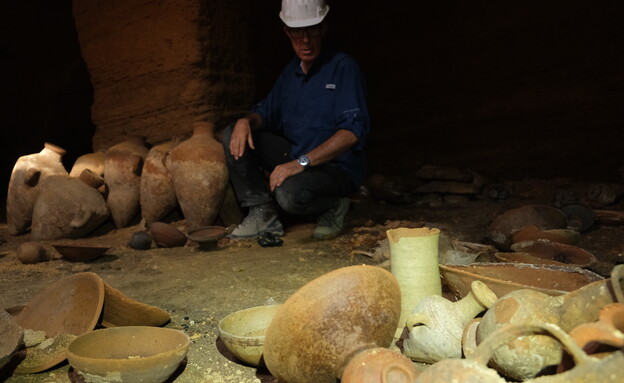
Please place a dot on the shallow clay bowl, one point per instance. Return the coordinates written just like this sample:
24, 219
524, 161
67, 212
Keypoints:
561, 252
242, 332
82, 252
129, 354
207, 236
71, 306
522, 257
503, 278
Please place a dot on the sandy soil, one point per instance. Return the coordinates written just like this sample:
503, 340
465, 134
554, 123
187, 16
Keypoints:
200, 287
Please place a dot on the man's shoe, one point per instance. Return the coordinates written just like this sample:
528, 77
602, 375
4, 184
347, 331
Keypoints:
331, 223
261, 219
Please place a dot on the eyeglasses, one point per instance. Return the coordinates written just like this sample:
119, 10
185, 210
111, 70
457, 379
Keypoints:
297, 33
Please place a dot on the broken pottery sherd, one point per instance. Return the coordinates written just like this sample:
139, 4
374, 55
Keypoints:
121, 310
67, 308
166, 235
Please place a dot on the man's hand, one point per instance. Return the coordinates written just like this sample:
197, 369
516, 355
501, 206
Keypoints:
241, 137
283, 171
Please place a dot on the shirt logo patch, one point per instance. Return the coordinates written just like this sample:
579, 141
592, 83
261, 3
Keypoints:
330, 86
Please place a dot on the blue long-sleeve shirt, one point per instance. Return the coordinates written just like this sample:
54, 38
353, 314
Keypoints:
309, 108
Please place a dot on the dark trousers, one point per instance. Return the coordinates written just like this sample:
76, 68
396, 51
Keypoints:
311, 192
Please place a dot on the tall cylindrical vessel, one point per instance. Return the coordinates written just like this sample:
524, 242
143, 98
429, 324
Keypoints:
199, 175
157, 194
24, 185
122, 175
414, 263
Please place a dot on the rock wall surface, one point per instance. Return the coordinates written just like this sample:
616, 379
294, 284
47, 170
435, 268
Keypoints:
158, 66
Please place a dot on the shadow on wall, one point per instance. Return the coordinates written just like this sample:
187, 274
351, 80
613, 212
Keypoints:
46, 94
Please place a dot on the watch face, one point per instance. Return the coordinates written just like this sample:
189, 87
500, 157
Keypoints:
304, 161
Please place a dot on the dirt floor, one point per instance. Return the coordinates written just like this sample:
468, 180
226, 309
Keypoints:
200, 287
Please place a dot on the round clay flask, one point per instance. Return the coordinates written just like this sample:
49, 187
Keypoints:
328, 321
158, 197
199, 175
122, 175
379, 365
24, 185
67, 208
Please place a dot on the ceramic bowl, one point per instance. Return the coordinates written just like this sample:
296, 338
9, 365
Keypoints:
503, 278
70, 307
243, 331
207, 236
129, 354
81, 252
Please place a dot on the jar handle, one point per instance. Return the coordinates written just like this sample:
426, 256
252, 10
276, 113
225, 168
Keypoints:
503, 335
617, 274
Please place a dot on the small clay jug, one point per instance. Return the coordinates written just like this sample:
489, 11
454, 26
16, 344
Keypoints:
158, 197
379, 365
24, 186
437, 324
67, 208
122, 175
92, 161
199, 175
329, 320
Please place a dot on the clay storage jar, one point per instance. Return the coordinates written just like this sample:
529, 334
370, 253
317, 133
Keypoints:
158, 197
67, 208
317, 331
24, 185
199, 175
122, 175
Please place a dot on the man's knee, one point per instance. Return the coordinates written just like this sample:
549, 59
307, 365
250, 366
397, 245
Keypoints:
292, 200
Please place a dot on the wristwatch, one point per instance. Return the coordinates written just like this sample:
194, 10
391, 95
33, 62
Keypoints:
304, 161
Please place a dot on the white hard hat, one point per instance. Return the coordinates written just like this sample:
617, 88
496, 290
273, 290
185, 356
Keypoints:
303, 13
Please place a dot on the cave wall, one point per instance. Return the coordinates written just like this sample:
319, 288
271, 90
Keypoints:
515, 88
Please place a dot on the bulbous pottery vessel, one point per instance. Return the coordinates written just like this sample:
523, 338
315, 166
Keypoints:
35, 252
199, 175
67, 208
525, 357
157, 195
379, 365
24, 186
92, 161
329, 320
474, 369
122, 175
436, 326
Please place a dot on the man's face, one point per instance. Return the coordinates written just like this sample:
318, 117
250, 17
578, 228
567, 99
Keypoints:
306, 42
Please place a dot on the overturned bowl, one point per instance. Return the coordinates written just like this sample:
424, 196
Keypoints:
242, 332
80, 252
128, 354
